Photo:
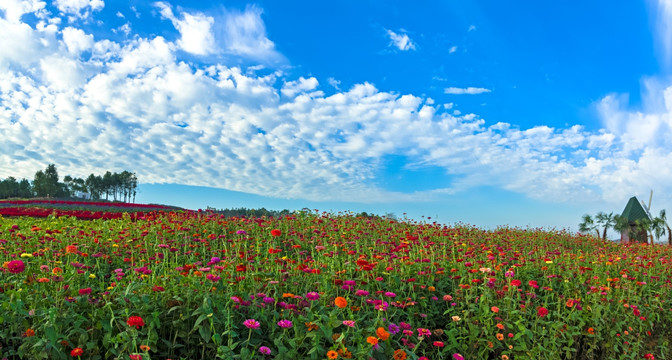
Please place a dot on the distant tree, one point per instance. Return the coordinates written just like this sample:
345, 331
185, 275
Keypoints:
25, 190
604, 221
45, 183
588, 225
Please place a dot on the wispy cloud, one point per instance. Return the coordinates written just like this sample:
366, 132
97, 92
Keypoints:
469, 90
400, 41
244, 34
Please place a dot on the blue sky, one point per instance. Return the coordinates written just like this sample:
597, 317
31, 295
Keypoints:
476, 112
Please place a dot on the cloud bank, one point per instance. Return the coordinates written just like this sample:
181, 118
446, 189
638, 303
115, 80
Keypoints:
90, 104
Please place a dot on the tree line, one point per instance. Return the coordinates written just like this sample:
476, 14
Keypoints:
118, 186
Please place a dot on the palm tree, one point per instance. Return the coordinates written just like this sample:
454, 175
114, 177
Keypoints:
605, 221
588, 225
661, 226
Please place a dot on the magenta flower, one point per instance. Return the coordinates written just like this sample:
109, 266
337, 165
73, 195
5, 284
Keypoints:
350, 323
390, 294
16, 266
458, 357
361, 293
285, 323
312, 296
265, 350
251, 324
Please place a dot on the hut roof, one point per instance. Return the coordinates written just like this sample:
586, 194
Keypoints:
634, 211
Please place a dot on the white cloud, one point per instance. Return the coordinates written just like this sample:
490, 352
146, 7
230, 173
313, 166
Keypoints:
79, 8
452, 49
292, 88
14, 9
469, 90
664, 29
244, 33
195, 30
334, 83
137, 105
400, 41
77, 40
472, 28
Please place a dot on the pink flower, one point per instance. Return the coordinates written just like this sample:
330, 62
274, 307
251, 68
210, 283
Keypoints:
251, 324
312, 296
542, 311
265, 350
285, 323
350, 323
438, 344
533, 283
458, 357
16, 266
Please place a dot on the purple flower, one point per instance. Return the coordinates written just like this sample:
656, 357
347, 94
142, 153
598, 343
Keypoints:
251, 324
241, 232
215, 260
285, 323
265, 350
393, 329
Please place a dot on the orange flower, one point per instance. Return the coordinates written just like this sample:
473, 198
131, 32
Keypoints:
591, 330
341, 302
399, 354
569, 303
144, 348
331, 354
288, 295
71, 249
372, 340
494, 309
310, 326
500, 337
500, 326
30, 332
431, 288
382, 334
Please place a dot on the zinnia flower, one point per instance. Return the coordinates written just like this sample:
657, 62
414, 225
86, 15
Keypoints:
16, 266
76, 352
382, 334
265, 350
542, 311
135, 321
372, 340
312, 296
438, 343
341, 302
251, 324
331, 354
399, 354
285, 323
350, 323
276, 232
494, 309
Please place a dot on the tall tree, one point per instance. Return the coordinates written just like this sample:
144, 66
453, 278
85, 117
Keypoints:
588, 225
604, 221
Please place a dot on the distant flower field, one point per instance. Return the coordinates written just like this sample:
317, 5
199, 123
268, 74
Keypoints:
194, 285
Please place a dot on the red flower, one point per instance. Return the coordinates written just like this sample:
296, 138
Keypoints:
135, 357
76, 352
515, 282
16, 266
85, 291
135, 321
542, 311
276, 232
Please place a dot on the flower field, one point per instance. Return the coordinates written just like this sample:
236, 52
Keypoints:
194, 285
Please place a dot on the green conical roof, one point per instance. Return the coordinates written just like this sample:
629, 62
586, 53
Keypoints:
634, 211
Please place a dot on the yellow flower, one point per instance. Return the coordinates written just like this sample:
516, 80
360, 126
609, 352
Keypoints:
92, 276
26, 255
